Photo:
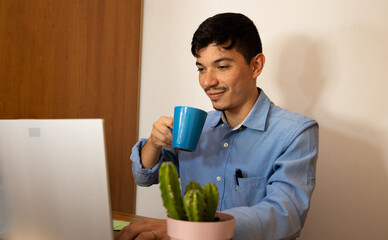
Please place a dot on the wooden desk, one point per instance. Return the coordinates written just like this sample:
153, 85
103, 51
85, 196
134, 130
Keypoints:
126, 216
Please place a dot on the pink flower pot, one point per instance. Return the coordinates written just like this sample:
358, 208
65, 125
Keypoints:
186, 230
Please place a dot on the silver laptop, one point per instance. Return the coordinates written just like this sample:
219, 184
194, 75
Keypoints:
54, 180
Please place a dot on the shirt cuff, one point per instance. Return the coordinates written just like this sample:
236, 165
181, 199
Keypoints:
143, 176
248, 224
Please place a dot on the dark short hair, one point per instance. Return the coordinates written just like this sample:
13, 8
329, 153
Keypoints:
234, 29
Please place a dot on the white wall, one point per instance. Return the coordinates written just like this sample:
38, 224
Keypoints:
326, 59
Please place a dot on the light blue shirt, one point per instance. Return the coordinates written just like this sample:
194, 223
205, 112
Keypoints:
276, 151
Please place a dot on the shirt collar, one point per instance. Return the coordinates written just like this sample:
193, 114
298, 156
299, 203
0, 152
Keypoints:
257, 117
217, 120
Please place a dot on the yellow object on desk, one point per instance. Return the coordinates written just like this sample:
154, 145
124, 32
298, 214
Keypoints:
118, 225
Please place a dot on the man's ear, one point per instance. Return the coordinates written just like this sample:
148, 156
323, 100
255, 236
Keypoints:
257, 64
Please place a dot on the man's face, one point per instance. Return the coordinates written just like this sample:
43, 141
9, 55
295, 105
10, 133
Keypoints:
228, 80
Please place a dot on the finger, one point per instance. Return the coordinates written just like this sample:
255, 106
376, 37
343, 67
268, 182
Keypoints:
131, 231
148, 235
161, 135
164, 125
167, 121
166, 128
124, 234
142, 228
161, 139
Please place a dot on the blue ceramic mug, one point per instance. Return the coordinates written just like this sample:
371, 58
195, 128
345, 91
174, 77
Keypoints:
188, 124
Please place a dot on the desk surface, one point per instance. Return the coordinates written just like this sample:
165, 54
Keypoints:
126, 216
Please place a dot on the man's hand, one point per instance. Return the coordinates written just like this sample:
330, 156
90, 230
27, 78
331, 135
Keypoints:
161, 136
143, 229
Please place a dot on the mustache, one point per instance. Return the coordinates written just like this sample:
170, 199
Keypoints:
215, 89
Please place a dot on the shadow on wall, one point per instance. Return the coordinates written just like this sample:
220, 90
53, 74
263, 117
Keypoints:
350, 199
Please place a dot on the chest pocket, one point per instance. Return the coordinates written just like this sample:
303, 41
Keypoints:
249, 192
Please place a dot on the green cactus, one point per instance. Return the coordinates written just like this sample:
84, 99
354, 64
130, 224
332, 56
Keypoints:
194, 205
192, 185
199, 204
210, 194
171, 191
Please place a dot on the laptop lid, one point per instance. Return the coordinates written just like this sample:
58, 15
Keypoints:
54, 180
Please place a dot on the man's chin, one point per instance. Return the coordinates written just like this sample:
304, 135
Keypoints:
219, 108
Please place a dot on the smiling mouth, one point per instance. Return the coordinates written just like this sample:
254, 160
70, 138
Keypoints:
215, 94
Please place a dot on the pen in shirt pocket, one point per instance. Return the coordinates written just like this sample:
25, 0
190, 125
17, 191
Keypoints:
237, 175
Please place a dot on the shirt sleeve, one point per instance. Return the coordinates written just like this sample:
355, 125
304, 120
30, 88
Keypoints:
282, 213
146, 177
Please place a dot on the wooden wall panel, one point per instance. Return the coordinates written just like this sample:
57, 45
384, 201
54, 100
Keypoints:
76, 59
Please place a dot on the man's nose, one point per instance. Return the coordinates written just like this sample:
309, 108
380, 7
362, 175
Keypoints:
209, 79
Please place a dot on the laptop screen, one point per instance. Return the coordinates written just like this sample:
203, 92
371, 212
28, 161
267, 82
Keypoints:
54, 180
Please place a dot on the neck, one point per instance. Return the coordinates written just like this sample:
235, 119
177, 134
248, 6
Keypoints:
236, 116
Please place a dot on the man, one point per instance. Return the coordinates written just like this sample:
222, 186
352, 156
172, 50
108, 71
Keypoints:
276, 150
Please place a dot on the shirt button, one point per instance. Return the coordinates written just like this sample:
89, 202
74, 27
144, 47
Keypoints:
226, 144
218, 178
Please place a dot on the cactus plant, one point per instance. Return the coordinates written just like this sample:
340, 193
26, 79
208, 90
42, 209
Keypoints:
171, 191
199, 205
210, 193
194, 205
192, 185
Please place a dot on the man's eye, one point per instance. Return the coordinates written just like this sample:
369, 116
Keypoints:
222, 67
200, 69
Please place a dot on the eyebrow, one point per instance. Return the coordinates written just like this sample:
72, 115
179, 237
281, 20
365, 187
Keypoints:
216, 61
